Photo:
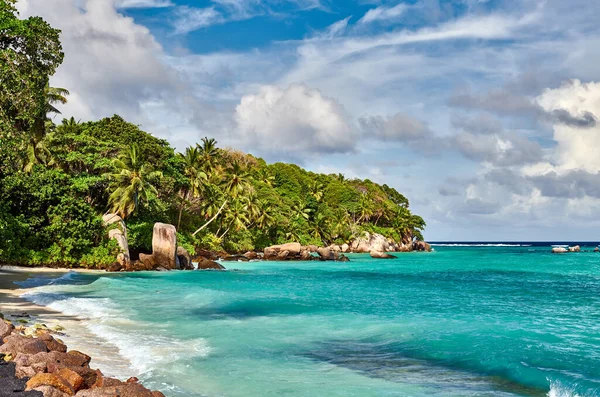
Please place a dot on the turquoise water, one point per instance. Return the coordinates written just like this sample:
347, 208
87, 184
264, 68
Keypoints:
461, 321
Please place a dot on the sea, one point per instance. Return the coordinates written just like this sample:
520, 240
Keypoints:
468, 319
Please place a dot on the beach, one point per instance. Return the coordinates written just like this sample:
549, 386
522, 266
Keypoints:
493, 321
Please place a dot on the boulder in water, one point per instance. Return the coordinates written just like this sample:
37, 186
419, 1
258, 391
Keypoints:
575, 249
559, 250
207, 264
381, 255
185, 259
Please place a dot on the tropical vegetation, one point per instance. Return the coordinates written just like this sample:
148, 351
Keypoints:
57, 179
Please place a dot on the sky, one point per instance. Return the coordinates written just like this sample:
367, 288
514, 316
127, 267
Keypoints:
484, 113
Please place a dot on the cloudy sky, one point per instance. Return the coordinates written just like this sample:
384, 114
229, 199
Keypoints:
484, 113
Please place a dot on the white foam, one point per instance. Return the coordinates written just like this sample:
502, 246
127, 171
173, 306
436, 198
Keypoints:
559, 389
136, 341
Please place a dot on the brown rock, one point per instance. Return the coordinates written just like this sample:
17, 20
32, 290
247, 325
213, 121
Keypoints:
164, 247
234, 258
251, 255
559, 250
345, 248
52, 380
421, 246
72, 377
305, 255
185, 259
207, 264
312, 248
115, 267
133, 379
50, 391
575, 249
283, 255
325, 253
381, 255
205, 254
6, 328
292, 248
52, 344
343, 258
89, 376
15, 344
157, 394
123, 390
78, 357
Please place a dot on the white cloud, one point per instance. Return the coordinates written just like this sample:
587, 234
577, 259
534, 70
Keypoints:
383, 13
296, 120
189, 19
143, 3
577, 147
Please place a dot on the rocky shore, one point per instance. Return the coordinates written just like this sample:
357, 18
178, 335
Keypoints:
35, 362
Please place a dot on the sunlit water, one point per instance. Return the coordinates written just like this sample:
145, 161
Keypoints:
461, 321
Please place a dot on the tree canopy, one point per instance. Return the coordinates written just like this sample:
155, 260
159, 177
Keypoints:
56, 180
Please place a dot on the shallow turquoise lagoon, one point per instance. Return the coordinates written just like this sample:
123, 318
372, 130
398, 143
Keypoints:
461, 321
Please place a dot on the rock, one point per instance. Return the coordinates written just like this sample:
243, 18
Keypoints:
288, 251
185, 259
371, 242
119, 233
52, 344
234, 258
73, 378
206, 264
10, 385
325, 253
88, 375
421, 246
164, 247
213, 256
6, 328
312, 248
15, 344
596, 249
335, 248
381, 255
251, 255
559, 250
345, 248
52, 380
115, 267
343, 258
123, 390
49, 391
305, 255
575, 249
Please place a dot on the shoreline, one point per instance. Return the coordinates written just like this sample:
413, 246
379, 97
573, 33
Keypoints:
76, 335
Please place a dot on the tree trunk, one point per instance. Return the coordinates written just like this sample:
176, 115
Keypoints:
211, 219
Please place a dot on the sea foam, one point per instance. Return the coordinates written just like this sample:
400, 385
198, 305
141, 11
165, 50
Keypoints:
140, 343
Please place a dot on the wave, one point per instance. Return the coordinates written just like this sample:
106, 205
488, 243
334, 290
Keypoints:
478, 245
559, 389
41, 280
138, 342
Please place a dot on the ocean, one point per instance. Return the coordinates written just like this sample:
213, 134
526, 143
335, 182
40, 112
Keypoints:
490, 319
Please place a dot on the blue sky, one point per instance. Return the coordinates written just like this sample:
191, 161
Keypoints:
484, 113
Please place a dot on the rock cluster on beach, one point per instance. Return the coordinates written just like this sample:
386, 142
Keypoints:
35, 363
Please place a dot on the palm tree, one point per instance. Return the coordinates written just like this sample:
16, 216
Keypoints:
131, 182
300, 210
316, 190
265, 218
265, 176
54, 96
208, 152
320, 228
37, 151
237, 182
192, 163
236, 217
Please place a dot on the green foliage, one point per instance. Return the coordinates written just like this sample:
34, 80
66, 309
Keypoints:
56, 181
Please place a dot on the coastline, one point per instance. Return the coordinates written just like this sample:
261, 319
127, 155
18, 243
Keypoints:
105, 356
